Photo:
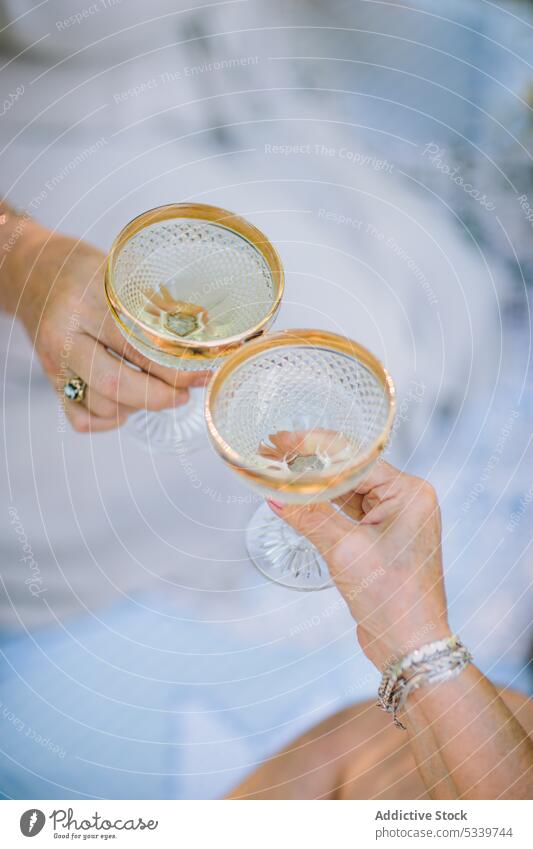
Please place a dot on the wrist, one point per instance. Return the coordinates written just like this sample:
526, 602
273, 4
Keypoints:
396, 643
19, 236
444, 694
434, 663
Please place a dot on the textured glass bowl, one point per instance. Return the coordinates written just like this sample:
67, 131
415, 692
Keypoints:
188, 284
301, 416
192, 254
330, 399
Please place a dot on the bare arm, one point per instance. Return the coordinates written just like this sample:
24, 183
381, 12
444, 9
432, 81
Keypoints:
388, 566
53, 284
17, 232
485, 751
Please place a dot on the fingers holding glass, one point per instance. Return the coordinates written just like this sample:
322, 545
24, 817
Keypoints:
302, 416
118, 346
118, 382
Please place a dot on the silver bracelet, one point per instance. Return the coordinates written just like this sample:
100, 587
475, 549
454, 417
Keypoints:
433, 663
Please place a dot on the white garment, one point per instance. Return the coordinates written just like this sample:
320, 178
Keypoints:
333, 218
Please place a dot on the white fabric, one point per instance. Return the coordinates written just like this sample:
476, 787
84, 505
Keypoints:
103, 520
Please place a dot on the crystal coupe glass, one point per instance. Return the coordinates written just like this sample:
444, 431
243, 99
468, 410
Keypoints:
187, 284
301, 416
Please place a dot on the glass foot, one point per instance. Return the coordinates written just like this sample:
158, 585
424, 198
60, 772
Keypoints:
283, 555
171, 431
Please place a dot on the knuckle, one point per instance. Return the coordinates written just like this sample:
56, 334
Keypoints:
342, 550
429, 491
46, 334
49, 347
109, 383
427, 495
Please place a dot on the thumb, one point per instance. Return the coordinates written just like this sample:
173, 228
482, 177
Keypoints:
320, 523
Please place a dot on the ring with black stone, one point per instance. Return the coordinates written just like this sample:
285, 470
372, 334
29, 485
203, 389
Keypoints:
74, 389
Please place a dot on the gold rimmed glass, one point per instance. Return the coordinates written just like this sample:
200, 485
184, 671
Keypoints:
187, 285
301, 416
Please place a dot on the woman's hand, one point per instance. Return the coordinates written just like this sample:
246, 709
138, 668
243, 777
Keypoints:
63, 307
383, 550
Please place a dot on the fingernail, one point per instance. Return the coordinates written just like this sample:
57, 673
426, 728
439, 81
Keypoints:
181, 397
275, 505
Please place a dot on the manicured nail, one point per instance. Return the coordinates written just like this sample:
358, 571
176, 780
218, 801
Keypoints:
277, 506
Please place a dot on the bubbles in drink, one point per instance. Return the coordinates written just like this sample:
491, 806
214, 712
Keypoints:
307, 452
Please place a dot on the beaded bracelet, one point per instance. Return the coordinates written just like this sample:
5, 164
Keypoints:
433, 663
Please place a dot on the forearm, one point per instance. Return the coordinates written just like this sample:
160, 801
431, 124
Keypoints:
427, 754
475, 746
18, 235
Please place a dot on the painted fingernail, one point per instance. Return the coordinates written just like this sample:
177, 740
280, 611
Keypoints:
275, 505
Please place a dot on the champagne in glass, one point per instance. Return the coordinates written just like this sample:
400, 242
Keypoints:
301, 416
187, 284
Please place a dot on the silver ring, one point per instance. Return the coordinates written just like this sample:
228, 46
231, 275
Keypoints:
74, 389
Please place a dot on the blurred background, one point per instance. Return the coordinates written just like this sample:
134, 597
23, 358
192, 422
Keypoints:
385, 148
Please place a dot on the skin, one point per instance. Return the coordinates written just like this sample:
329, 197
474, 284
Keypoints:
387, 563
356, 753
383, 551
465, 739
54, 285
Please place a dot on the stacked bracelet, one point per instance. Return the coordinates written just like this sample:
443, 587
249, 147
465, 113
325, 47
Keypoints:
430, 664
